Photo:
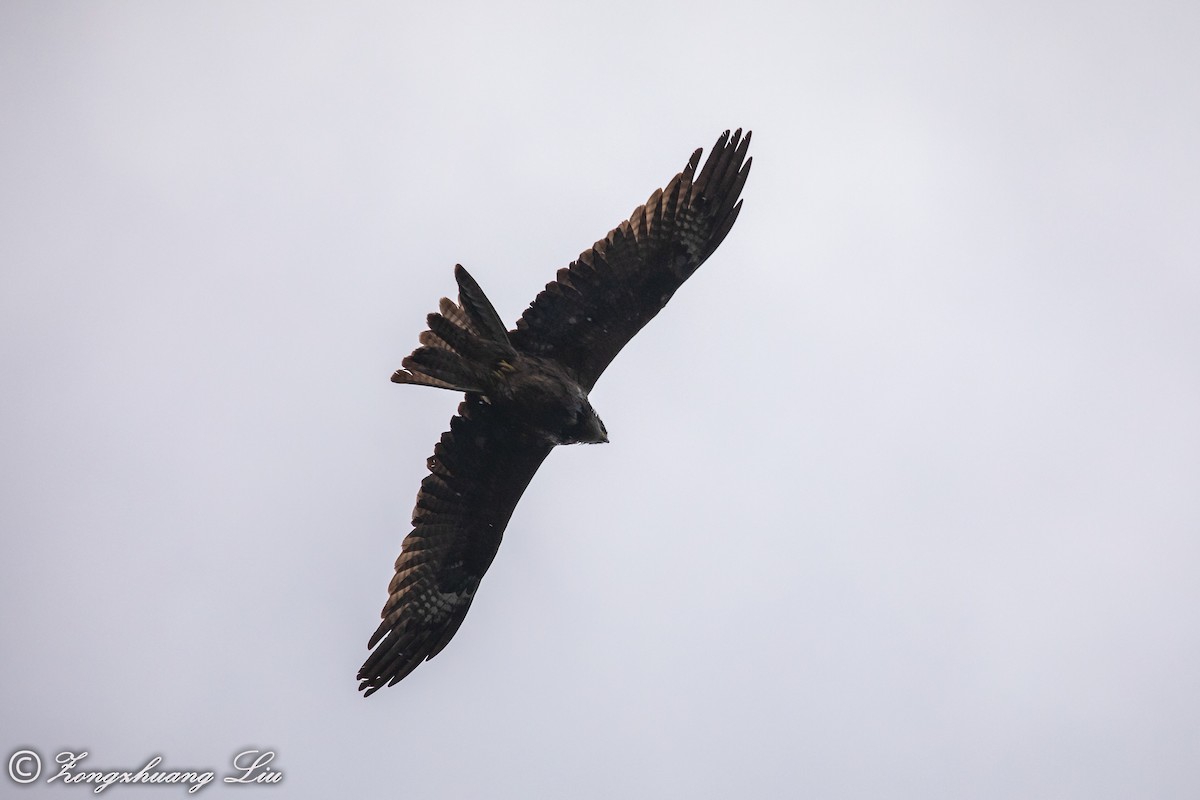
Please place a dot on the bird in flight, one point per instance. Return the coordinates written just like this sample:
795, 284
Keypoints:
527, 391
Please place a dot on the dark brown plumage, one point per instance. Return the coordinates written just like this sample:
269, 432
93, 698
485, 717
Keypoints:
526, 391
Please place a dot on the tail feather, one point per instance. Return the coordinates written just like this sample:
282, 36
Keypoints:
463, 342
484, 319
444, 333
451, 311
419, 379
442, 366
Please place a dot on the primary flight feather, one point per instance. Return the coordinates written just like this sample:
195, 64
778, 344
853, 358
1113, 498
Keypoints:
527, 391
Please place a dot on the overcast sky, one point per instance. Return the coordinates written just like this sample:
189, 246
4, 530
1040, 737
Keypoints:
902, 495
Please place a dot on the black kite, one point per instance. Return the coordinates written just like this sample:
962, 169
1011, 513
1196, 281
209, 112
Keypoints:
527, 391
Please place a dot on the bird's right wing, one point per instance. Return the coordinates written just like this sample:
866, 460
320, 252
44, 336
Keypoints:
477, 474
600, 302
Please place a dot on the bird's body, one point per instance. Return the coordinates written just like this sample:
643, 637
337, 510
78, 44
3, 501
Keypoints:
542, 395
527, 392
546, 399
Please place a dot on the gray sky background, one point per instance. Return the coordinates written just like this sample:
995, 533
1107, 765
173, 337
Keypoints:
901, 499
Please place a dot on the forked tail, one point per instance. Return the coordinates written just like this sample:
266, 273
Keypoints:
464, 340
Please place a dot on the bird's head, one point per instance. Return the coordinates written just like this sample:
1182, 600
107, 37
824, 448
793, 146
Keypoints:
587, 427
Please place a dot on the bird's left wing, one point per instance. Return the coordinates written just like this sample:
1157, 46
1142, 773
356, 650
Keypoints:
477, 474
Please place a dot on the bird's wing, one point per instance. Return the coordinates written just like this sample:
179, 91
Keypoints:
477, 474
599, 302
